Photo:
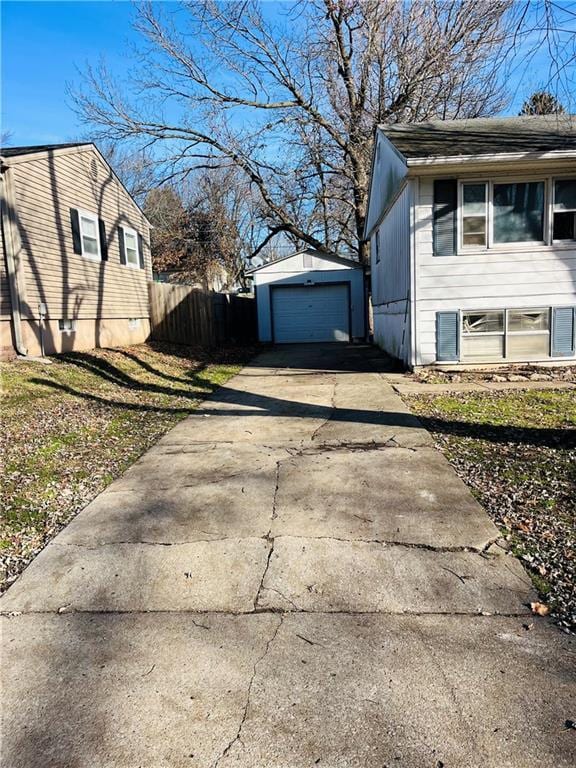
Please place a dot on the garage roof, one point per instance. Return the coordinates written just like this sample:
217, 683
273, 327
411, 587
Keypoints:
313, 252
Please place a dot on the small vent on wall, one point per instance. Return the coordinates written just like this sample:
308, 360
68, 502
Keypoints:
94, 168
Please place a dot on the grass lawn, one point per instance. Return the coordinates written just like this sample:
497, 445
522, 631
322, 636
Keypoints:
517, 452
72, 425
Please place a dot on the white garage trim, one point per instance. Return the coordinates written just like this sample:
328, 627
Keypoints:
311, 313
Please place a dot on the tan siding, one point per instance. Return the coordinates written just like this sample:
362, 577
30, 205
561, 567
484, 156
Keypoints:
5, 305
70, 285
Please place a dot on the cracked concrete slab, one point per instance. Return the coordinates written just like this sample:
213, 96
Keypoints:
414, 692
244, 429
391, 494
201, 576
234, 507
119, 691
268, 503
322, 575
155, 470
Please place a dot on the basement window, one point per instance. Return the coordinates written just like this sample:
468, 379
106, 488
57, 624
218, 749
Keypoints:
66, 326
483, 335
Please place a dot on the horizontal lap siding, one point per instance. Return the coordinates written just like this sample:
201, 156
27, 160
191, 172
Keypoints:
391, 278
5, 304
69, 284
495, 279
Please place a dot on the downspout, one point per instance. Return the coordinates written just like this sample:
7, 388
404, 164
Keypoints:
8, 224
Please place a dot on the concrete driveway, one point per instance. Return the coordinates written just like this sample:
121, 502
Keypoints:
292, 577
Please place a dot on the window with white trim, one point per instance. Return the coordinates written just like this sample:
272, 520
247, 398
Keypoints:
89, 235
474, 214
564, 210
131, 248
505, 334
528, 333
500, 213
482, 335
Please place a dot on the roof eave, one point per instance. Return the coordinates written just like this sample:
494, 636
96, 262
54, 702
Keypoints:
415, 162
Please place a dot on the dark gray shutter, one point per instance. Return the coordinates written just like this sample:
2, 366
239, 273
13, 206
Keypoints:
76, 239
103, 240
444, 217
141, 251
447, 336
121, 244
563, 331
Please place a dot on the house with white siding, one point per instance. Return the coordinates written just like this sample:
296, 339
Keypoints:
472, 226
74, 253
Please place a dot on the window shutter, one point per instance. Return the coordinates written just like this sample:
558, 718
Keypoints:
76, 239
447, 336
563, 319
444, 217
121, 244
141, 251
103, 240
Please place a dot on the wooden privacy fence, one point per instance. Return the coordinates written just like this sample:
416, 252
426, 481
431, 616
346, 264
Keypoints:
185, 315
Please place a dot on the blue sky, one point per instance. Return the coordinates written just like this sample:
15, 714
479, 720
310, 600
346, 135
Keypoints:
43, 44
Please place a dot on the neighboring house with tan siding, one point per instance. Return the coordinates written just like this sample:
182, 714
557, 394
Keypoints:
75, 261
472, 225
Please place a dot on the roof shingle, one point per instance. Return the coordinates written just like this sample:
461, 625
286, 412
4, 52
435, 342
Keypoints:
483, 136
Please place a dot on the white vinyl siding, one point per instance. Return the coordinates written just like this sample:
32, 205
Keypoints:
512, 276
391, 278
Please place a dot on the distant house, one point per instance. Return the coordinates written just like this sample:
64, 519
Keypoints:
75, 258
309, 296
472, 225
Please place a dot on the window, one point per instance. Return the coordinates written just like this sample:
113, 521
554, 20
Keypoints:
564, 223
505, 334
89, 235
528, 333
377, 246
500, 213
131, 248
66, 326
519, 212
474, 214
482, 335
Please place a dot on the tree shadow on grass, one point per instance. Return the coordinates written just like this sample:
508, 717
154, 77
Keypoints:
266, 405
115, 375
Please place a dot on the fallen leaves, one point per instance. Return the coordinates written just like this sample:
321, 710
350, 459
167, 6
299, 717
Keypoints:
540, 608
517, 453
70, 428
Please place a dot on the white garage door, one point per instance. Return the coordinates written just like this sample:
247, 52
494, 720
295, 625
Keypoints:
310, 313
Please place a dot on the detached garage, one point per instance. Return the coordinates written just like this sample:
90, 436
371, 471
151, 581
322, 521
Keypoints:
309, 296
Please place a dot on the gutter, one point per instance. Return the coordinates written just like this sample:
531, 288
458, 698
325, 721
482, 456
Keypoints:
418, 162
8, 227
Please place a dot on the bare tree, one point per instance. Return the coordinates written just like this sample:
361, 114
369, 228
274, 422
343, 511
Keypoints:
204, 229
292, 101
